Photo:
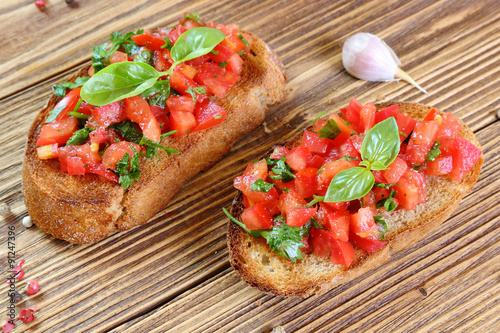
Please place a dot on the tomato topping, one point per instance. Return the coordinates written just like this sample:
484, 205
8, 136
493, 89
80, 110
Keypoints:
151, 42
68, 103
290, 200
161, 117
342, 252
175, 33
58, 131
47, 151
406, 124
256, 217
352, 115
338, 223
235, 64
367, 116
449, 126
395, 170
465, 155
391, 111
442, 165
279, 152
244, 183
220, 54
345, 128
320, 242
369, 245
315, 144
180, 103
138, 110
423, 137
215, 78
234, 43
182, 122
118, 56
299, 216
257, 169
181, 82
369, 202
362, 220
116, 151
305, 182
297, 158
315, 162
107, 115
208, 114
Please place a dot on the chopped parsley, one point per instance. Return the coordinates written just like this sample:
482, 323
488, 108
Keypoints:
382, 226
128, 169
158, 93
78, 136
281, 170
261, 186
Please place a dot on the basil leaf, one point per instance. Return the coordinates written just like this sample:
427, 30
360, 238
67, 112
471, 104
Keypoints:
118, 81
158, 93
128, 131
195, 42
193, 16
434, 152
78, 136
60, 89
144, 56
386, 186
330, 130
350, 184
281, 170
316, 199
261, 186
381, 144
54, 113
317, 117
388, 203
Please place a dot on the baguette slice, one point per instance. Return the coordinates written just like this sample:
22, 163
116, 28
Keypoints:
85, 209
261, 268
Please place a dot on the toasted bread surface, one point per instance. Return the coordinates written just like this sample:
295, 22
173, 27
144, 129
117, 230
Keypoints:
85, 209
261, 268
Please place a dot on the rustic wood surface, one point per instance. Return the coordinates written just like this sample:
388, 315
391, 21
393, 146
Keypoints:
173, 274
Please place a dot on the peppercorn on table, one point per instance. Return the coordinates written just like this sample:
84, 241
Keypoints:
173, 274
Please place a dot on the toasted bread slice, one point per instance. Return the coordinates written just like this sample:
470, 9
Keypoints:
261, 268
85, 209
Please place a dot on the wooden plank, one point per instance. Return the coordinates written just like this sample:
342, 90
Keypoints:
173, 272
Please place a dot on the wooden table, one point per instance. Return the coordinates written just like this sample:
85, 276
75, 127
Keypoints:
173, 274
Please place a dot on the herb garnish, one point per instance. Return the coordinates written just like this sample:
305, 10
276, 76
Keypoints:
196, 90
158, 93
382, 226
128, 175
60, 89
434, 152
388, 202
125, 79
101, 55
261, 186
79, 136
54, 113
281, 170
330, 131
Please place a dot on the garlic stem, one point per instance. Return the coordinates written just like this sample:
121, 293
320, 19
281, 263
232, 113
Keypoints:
401, 74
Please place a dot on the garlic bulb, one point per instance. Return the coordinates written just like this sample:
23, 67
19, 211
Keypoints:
367, 57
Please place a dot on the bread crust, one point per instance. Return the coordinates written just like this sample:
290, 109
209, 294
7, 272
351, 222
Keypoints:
261, 268
85, 209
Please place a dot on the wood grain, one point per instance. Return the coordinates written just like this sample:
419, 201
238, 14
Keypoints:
172, 274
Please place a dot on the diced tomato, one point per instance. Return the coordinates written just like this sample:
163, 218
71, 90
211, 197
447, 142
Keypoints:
362, 221
330, 169
180, 82
446, 146
290, 200
151, 42
442, 165
299, 216
419, 179
395, 170
197, 62
380, 193
315, 162
100, 170
58, 131
335, 206
208, 114
244, 183
369, 201
342, 252
318, 125
315, 144
76, 166
290, 185
367, 116
86, 108
369, 245
116, 151
279, 152
431, 115
406, 124
320, 242
379, 176
215, 78
423, 137
118, 56
338, 223
257, 169
256, 217
391, 111
220, 54
47, 152
408, 191
307, 245
348, 149
175, 33
138, 110
305, 182
353, 115
182, 122
235, 64
297, 158
107, 115
99, 135
162, 61
68, 102
182, 103
465, 155
346, 130
190, 24
89, 153
187, 70
161, 117
234, 43
449, 126
246, 203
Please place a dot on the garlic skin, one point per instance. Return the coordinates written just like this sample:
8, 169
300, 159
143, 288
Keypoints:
367, 57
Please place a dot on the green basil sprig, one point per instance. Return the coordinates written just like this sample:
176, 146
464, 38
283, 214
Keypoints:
379, 149
126, 79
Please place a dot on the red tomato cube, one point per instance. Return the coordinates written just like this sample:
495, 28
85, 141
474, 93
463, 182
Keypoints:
395, 170
256, 217
442, 165
391, 111
305, 182
423, 137
58, 131
362, 221
465, 155
182, 122
47, 152
369, 245
182, 103
257, 169
297, 158
290, 200
299, 216
315, 144
342, 252
208, 114
338, 223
